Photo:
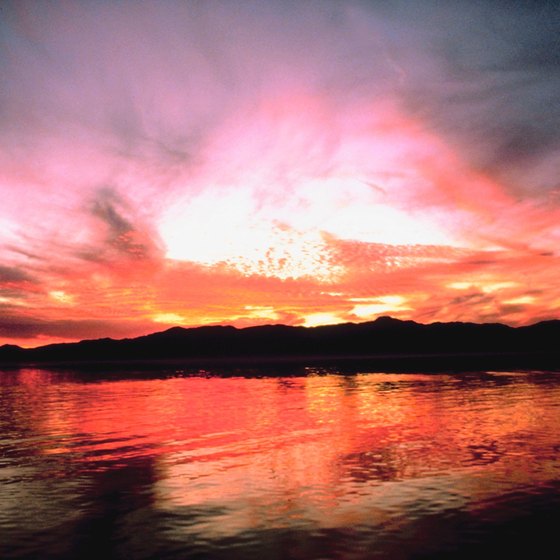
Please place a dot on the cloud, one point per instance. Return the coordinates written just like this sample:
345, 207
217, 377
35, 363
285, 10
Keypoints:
125, 234
255, 161
14, 275
480, 73
30, 328
155, 81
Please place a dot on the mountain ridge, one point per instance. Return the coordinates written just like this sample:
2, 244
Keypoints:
385, 337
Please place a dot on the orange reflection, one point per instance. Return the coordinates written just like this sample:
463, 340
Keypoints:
330, 450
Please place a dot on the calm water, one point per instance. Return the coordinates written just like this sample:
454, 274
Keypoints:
320, 466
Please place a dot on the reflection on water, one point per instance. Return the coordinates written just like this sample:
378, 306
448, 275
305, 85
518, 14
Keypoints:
318, 466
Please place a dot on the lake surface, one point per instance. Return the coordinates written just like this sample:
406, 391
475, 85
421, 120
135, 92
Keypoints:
317, 466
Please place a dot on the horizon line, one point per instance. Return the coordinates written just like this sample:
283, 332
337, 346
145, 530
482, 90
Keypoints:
229, 326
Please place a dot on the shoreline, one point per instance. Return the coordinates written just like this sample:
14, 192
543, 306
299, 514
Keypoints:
390, 363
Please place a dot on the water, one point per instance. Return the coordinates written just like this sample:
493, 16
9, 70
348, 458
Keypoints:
333, 466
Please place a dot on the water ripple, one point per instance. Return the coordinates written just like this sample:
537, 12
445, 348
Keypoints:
324, 466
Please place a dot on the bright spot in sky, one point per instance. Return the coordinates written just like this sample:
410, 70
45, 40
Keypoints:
377, 306
351, 209
522, 300
226, 226
485, 287
170, 318
256, 232
61, 297
495, 286
318, 319
459, 285
261, 312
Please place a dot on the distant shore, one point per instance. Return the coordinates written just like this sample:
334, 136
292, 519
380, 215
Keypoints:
385, 344
421, 363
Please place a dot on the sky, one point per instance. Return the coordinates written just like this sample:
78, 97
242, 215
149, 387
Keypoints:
204, 162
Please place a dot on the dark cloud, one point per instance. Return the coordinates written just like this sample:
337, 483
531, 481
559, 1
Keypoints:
13, 274
22, 251
154, 79
16, 326
508, 309
124, 232
473, 298
482, 262
487, 75
106, 207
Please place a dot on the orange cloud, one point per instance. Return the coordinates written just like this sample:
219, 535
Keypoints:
300, 210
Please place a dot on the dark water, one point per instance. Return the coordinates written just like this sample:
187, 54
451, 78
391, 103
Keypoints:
358, 466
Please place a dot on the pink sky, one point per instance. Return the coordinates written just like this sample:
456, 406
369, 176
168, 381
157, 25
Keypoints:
248, 163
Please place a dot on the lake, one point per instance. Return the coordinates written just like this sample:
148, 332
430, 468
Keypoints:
310, 465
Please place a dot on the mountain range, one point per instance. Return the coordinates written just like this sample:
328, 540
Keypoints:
386, 341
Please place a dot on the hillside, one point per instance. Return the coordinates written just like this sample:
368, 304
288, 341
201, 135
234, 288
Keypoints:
386, 338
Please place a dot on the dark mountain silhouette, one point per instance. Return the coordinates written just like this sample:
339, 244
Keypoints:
386, 341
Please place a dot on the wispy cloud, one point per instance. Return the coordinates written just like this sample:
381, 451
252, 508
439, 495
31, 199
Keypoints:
212, 162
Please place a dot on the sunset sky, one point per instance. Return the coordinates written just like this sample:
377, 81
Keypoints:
203, 162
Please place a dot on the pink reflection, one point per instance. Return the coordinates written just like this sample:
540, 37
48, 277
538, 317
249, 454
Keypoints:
331, 450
